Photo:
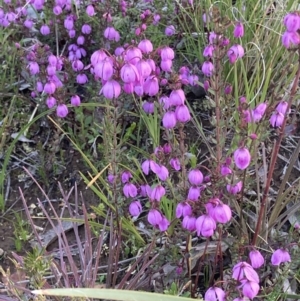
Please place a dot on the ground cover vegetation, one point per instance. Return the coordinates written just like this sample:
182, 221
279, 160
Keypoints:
149, 146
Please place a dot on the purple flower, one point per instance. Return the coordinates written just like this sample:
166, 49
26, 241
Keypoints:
98, 56
189, 223
242, 158
90, 10
130, 190
162, 172
195, 177
250, 288
183, 209
282, 107
104, 69
77, 65
150, 164
129, 73
80, 40
157, 193
45, 30
225, 170
208, 68
194, 193
86, 29
144, 69
145, 46
148, 107
280, 256
167, 53
125, 176
292, 22
258, 112
256, 259
227, 89
135, 208
214, 294
49, 87
154, 217
111, 34
133, 55
277, 119
205, 226
62, 111
289, 38
177, 98
244, 271
81, 79
69, 23
170, 30
110, 178
208, 51
182, 113
75, 100
34, 68
111, 89
235, 188
235, 52
238, 30
166, 65
51, 102
175, 163
169, 120
218, 211
164, 224
145, 190
151, 86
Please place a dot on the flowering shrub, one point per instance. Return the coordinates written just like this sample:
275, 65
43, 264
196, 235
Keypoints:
207, 197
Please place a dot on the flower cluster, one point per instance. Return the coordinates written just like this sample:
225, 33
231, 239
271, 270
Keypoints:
291, 36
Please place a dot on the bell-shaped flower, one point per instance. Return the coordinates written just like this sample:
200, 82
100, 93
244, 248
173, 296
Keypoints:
234, 188
258, 112
194, 193
34, 68
154, 217
135, 208
290, 39
157, 193
98, 56
205, 226
143, 68
238, 31
145, 190
256, 259
195, 177
182, 114
242, 158
166, 65
170, 30
111, 34
177, 97
250, 288
282, 107
208, 68
167, 53
189, 223
208, 51
164, 224
292, 22
129, 73
111, 89
75, 101
280, 256
175, 163
235, 52
225, 170
162, 173
126, 176
148, 107
169, 120
218, 211
183, 209
50, 102
215, 294
145, 46
151, 86
133, 55
277, 119
244, 271
150, 164
62, 110
104, 69
130, 190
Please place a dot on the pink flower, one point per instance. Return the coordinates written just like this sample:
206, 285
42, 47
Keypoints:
182, 114
177, 97
257, 260
195, 177
133, 55
258, 112
62, 111
151, 86
208, 68
225, 170
166, 65
280, 256
167, 53
218, 211
135, 208
69, 23
86, 29
238, 30
126, 176
175, 163
75, 101
205, 225
162, 173
90, 10
34, 68
77, 65
145, 46
292, 22
250, 288
51, 102
235, 188
49, 87
129, 73
290, 38
214, 294
81, 79
130, 190
277, 119
111, 89
183, 209
242, 158
164, 224
194, 193
98, 56
150, 164
144, 69
45, 30
145, 190
235, 52
154, 217
169, 120
111, 34
170, 30
208, 51
157, 193
244, 271
189, 223
104, 69
282, 107
148, 107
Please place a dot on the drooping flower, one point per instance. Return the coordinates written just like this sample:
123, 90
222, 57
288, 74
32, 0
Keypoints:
170, 30
164, 224
169, 120
175, 163
256, 259
133, 55
135, 208
195, 177
258, 112
214, 294
162, 173
167, 53
238, 30
189, 223
242, 158
282, 107
111, 89
194, 193
290, 38
183, 209
130, 190
126, 176
51, 102
244, 271
177, 97
292, 22
145, 46
280, 256
276, 119
154, 217
149, 164
111, 34
62, 110
151, 86
205, 225
129, 73
218, 211
208, 51
104, 69
234, 188
182, 114
75, 101
157, 193
235, 52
